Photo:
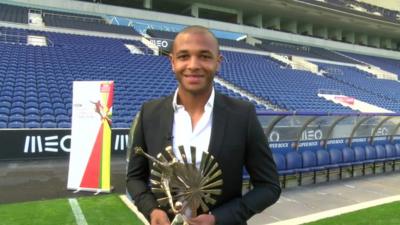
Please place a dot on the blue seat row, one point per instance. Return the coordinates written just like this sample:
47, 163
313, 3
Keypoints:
299, 163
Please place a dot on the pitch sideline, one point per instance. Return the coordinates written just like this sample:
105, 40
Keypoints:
78, 214
338, 211
133, 208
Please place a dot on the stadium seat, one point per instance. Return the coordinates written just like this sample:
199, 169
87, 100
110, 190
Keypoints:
49, 124
336, 158
4, 110
32, 111
16, 124
371, 157
381, 156
64, 124
294, 163
309, 160
323, 162
3, 118
32, 118
48, 118
280, 162
32, 124
359, 157
17, 110
16, 118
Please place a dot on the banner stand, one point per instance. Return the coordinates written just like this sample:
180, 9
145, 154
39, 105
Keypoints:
90, 156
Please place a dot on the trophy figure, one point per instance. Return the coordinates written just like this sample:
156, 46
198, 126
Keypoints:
181, 185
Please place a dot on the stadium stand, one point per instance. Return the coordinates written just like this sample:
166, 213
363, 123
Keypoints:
84, 23
278, 84
38, 80
169, 35
77, 57
358, 7
391, 65
304, 51
381, 92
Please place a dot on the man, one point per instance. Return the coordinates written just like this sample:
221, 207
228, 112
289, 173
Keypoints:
198, 116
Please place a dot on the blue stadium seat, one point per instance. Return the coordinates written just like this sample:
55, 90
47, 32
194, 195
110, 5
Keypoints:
64, 124
4, 118
293, 164
391, 155
359, 157
336, 158
48, 111
61, 111
5, 104
371, 157
309, 160
62, 118
31, 104
32, 118
280, 162
16, 118
120, 125
323, 161
17, 110
32, 111
49, 124
32, 124
4, 110
3, 124
16, 124
48, 118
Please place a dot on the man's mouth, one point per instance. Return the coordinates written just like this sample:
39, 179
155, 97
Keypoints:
193, 78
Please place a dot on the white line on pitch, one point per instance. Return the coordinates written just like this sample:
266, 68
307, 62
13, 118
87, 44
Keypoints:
79, 217
133, 208
337, 211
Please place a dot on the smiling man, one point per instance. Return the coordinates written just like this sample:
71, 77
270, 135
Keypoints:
196, 115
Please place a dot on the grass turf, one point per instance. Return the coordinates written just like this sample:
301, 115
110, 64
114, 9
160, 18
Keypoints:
98, 210
107, 210
37, 213
386, 214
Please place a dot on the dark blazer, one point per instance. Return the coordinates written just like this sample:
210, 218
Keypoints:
237, 140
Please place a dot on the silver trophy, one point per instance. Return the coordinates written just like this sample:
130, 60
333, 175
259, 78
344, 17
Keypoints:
182, 186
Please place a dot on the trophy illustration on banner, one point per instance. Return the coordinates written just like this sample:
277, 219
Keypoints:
182, 185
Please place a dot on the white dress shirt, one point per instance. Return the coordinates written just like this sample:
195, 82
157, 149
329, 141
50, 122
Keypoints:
185, 135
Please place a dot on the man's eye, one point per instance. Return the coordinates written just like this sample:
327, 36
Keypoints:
205, 56
182, 56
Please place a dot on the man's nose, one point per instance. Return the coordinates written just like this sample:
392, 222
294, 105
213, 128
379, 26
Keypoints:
194, 62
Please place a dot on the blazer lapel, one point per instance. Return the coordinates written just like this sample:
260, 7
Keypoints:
166, 123
218, 126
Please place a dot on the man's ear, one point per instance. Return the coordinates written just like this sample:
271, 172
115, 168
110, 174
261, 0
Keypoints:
171, 59
219, 60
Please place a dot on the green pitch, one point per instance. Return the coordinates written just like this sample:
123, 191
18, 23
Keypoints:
97, 210
387, 214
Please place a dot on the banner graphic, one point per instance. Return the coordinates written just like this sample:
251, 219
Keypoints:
89, 165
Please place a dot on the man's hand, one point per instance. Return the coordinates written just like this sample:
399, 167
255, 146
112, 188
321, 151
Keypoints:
159, 217
203, 219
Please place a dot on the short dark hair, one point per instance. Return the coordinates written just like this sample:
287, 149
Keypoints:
196, 29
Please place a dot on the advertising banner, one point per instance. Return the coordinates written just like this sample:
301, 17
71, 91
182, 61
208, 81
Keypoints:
31, 144
89, 165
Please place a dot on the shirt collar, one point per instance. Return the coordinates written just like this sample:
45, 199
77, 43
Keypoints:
209, 104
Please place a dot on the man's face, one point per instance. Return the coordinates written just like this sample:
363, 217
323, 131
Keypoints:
195, 59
